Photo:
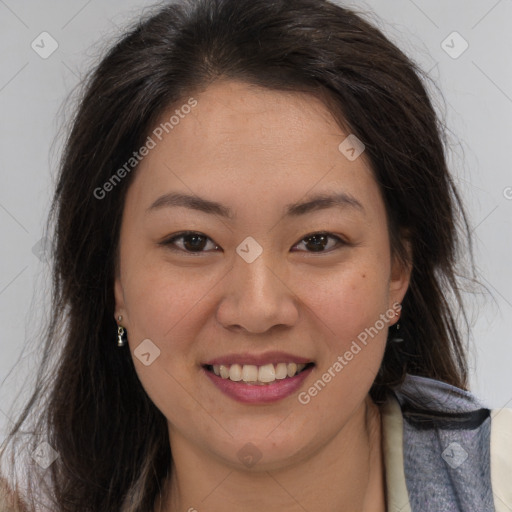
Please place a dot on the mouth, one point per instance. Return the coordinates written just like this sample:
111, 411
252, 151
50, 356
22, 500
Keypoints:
258, 375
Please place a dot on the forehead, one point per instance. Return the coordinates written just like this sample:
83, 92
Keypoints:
241, 141
265, 121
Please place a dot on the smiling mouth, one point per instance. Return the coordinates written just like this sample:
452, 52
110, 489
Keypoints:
257, 375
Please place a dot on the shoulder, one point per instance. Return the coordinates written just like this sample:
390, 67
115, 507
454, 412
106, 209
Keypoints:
9, 500
463, 448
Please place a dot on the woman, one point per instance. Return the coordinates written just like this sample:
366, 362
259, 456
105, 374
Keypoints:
254, 265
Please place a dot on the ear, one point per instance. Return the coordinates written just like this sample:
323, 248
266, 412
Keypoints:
400, 275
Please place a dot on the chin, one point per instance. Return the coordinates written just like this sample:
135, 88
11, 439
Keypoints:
262, 449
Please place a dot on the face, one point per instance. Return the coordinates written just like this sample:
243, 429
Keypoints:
266, 277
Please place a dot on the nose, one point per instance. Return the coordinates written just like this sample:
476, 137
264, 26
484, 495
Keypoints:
257, 297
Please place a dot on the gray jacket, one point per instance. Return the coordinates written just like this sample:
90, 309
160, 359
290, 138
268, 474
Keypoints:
444, 451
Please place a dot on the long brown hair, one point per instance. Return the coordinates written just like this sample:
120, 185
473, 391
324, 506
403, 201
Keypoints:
90, 407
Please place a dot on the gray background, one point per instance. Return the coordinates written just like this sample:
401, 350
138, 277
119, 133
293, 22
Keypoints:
477, 88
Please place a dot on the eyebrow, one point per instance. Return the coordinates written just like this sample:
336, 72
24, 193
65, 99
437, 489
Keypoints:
314, 203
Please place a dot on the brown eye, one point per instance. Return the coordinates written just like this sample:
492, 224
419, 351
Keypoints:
191, 242
319, 242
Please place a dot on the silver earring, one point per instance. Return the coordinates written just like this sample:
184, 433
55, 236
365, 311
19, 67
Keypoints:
121, 341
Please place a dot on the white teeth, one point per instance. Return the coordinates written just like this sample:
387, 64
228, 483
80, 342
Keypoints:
292, 369
267, 373
235, 372
281, 371
253, 374
249, 373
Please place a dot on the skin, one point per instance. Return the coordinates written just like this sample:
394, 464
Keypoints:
255, 151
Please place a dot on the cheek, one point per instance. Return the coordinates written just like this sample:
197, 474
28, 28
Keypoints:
349, 301
348, 311
162, 302
163, 306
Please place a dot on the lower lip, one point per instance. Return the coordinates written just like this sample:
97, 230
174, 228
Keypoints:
254, 394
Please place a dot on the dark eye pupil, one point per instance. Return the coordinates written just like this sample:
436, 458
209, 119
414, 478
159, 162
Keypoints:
198, 242
319, 245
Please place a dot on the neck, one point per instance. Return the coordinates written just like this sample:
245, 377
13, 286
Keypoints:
344, 475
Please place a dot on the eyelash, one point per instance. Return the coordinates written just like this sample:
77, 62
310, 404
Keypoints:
170, 242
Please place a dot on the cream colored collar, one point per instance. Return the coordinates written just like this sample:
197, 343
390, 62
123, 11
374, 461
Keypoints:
397, 498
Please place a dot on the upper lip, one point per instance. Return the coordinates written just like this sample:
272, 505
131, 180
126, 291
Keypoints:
258, 359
